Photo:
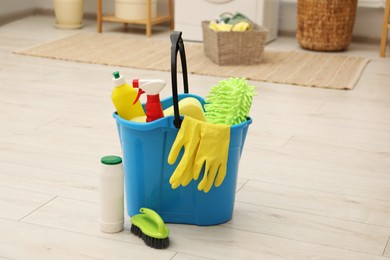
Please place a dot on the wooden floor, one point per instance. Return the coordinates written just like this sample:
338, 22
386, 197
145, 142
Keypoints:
314, 178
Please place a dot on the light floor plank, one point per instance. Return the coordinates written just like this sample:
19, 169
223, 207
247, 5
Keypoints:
226, 243
26, 241
319, 230
317, 203
16, 204
313, 183
49, 182
387, 250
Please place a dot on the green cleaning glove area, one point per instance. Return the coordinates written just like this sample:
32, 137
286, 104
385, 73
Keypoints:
229, 102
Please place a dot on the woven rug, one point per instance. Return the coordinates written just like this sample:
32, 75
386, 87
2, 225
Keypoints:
297, 68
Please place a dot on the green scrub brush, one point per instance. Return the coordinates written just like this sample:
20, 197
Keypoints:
151, 228
229, 102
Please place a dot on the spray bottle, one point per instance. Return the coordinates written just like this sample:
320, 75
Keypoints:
126, 98
152, 88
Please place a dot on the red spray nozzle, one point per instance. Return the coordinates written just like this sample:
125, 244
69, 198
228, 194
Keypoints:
152, 88
140, 91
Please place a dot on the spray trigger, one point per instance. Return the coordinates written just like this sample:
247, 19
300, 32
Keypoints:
140, 92
152, 88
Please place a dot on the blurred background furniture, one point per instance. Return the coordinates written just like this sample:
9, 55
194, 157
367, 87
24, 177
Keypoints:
325, 25
386, 27
189, 15
149, 20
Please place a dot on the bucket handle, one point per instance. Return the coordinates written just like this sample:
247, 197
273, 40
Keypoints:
177, 45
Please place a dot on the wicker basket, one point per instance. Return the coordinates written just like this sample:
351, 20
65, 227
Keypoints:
325, 25
234, 48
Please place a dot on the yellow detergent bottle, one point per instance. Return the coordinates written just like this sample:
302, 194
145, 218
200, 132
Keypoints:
126, 98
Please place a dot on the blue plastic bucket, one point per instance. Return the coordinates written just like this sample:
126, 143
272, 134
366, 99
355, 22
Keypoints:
146, 147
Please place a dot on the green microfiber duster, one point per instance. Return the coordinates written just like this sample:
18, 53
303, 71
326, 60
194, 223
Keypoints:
229, 102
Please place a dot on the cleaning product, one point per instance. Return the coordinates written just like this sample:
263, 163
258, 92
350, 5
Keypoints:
229, 102
125, 98
152, 88
151, 228
187, 106
205, 145
111, 193
188, 138
212, 153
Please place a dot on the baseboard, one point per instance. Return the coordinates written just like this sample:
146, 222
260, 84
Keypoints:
10, 17
44, 11
355, 38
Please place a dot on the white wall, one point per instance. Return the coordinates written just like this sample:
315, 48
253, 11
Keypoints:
368, 23
8, 7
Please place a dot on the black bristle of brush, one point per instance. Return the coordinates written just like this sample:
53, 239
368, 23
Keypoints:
158, 243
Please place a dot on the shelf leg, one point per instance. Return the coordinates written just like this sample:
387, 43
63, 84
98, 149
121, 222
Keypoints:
149, 18
99, 16
172, 14
385, 29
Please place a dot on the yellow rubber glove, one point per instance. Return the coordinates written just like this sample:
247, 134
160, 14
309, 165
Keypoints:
187, 137
213, 152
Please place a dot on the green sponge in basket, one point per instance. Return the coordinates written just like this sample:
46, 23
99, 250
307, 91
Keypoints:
229, 102
151, 228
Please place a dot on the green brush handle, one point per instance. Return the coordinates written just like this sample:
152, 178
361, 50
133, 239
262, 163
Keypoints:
156, 218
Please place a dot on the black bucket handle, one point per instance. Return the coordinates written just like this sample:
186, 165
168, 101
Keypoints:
177, 46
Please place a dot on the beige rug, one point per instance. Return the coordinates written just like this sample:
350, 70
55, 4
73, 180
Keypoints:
298, 68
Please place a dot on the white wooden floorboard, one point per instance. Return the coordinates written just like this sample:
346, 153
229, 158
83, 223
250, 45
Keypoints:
49, 182
227, 243
318, 203
314, 176
319, 230
387, 250
16, 203
26, 241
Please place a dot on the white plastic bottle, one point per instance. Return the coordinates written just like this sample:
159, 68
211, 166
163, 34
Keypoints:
111, 191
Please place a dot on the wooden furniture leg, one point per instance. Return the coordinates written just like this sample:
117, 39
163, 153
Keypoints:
149, 18
149, 21
172, 14
99, 16
386, 27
